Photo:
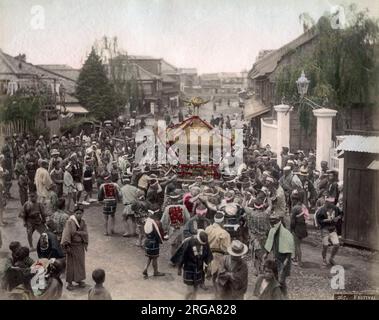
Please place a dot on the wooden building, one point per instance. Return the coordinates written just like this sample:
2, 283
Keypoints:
361, 190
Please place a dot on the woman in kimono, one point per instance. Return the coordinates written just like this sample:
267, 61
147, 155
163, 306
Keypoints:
74, 243
154, 237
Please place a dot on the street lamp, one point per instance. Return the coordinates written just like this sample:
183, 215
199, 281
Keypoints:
302, 88
302, 85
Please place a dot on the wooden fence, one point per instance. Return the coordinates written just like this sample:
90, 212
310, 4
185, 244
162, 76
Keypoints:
8, 129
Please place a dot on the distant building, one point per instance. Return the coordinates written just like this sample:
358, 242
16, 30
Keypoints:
158, 82
17, 74
210, 83
188, 78
262, 78
62, 69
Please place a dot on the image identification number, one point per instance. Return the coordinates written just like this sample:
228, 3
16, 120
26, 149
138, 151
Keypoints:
210, 309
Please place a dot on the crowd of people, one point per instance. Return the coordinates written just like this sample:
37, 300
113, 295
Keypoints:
212, 225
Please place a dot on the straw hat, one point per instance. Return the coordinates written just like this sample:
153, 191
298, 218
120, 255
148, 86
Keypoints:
237, 248
55, 152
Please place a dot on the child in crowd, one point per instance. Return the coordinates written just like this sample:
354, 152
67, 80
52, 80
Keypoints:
267, 286
98, 292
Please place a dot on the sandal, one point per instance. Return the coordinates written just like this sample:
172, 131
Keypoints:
70, 287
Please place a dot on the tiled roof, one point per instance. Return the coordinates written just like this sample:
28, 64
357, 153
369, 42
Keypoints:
210, 76
62, 69
188, 70
23, 69
55, 66
269, 62
70, 99
142, 58
143, 74
168, 78
254, 108
360, 144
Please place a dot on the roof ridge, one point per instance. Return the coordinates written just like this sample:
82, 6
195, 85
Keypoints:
146, 71
34, 66
4, 55
311, 32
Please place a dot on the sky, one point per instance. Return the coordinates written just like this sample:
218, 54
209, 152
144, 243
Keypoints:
210, 35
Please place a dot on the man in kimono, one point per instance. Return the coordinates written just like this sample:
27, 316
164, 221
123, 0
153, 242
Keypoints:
74, 243
259, 225
57, 176
308, 189
34, 217
23, 183
289, 182
281, 244
219, 241
58, 219
48, 246
54, 158
129, 195
190, 198
332, 188
191, 256
174, 217
8, 155
328, 217
31, 160
154, 238
43, 181
232, 277
77, 175
110, 194
198, 221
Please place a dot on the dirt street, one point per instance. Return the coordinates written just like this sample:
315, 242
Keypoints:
124, 261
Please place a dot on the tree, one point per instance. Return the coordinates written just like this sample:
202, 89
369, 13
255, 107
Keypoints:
94, 91
21, 111
122, 73
343, 66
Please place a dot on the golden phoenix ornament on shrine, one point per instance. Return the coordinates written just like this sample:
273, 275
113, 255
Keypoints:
196, 103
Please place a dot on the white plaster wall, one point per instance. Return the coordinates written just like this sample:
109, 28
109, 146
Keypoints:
269, 134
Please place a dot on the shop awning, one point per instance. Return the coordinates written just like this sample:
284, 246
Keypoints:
355, 143
75, 109
254, 108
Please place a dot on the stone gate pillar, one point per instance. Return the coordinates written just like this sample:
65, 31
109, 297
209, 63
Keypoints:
283, 131
324, 134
